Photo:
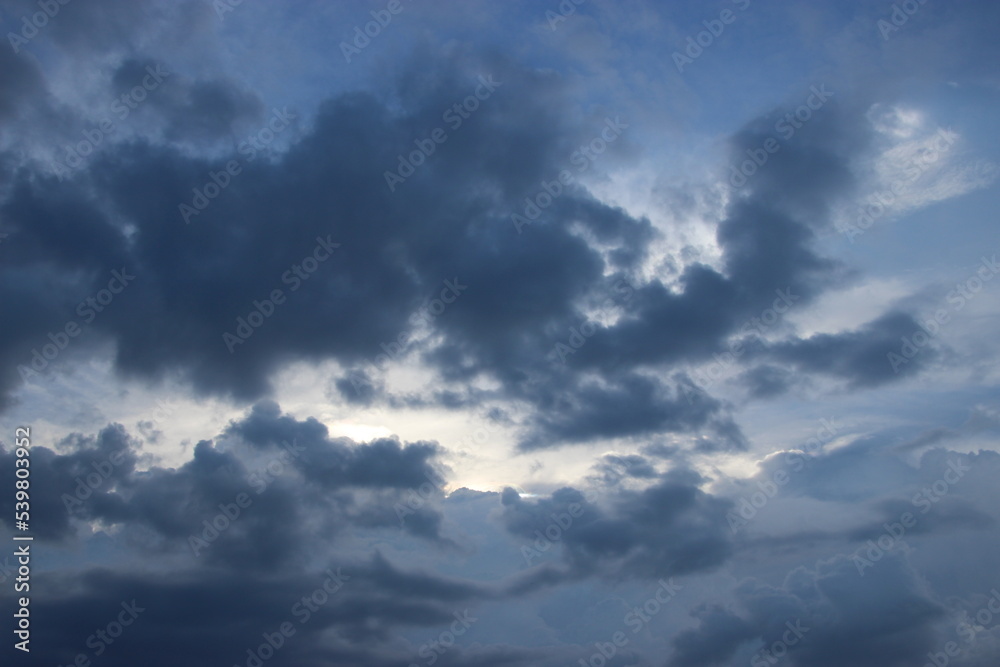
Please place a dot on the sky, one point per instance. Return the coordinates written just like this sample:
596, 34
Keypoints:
524, 334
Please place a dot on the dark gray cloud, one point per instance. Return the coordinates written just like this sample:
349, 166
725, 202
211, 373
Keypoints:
823, 616
767, 381
196, 111
861, 357
670, 528
383, 462
448, 223
89, 466
574, 329
621, 406
720, 632
300, 489
21, 82
349, 625
612, 468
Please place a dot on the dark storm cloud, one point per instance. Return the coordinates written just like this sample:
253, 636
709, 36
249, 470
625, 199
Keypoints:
767, 240
380, 276
862, 357
623, 405
612, 468
819, 617
662, 450
194, 281
447, 223
867, 467
770, 262
767, 381
337, 462
944, 497
212, 617
303, 490
191, 110
321, 503
358, 387
20, 82
950, 514
90, 462
669, 528
249, 579
720, 632
662, 326
84, 239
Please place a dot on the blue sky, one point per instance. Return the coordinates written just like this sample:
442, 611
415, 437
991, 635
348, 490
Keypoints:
535, 334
